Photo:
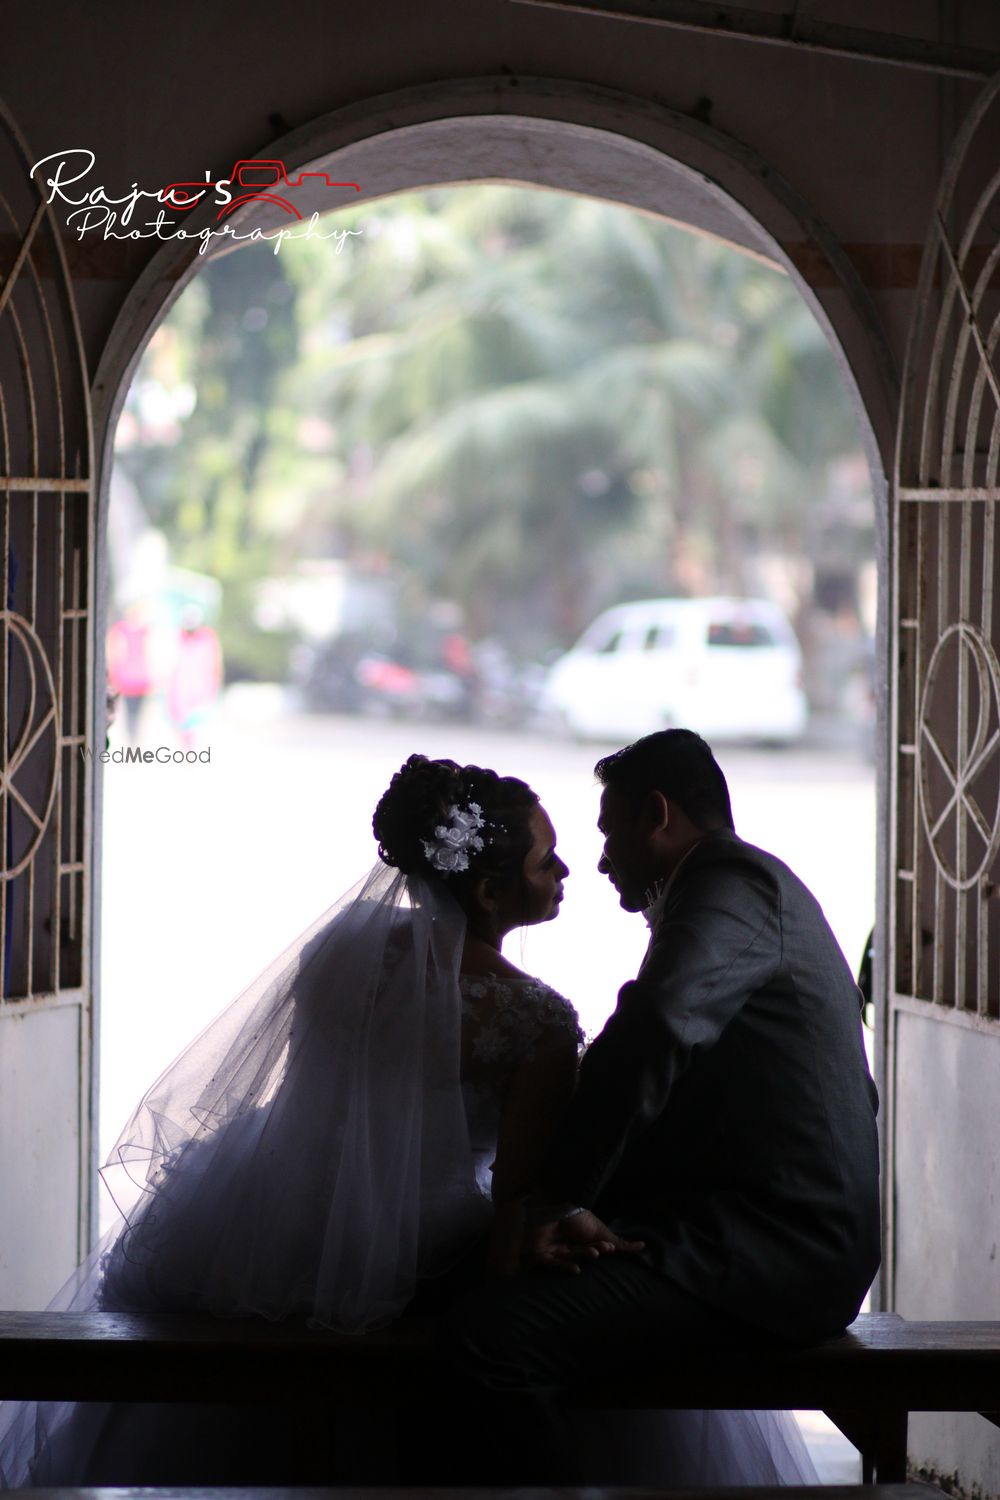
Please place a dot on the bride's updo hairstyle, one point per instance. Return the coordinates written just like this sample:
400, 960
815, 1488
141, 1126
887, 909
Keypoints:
421, 799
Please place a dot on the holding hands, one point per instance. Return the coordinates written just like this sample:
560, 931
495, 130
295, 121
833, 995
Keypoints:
563, 1241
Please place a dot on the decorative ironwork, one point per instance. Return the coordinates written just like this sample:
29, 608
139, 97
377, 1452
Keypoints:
37, 729
46, 554
946, 799
953, 817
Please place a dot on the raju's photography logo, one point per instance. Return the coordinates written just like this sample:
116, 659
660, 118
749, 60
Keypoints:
132, 755
262, 180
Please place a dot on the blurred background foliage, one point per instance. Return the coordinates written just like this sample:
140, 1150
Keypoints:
526, 403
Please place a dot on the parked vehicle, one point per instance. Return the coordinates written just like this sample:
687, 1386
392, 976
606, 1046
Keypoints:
347, 676
729, 668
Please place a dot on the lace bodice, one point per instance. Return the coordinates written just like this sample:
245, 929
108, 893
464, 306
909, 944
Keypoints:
506, 1020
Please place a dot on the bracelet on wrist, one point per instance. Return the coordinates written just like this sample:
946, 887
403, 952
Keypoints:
537, 1214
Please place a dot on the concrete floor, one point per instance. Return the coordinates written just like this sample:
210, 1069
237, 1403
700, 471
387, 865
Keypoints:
837, 1461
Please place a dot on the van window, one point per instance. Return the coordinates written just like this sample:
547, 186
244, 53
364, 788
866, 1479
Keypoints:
659, 638
738, 633
611, 643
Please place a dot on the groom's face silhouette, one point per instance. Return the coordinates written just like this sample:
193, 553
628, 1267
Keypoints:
629, 858
642, 845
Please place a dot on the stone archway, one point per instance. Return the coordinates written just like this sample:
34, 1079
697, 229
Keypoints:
576, 138
556, 134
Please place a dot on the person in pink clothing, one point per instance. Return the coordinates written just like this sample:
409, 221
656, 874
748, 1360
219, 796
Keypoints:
130, 674
196, 678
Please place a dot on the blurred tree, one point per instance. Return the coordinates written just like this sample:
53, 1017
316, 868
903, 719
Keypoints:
527, 402
553, 377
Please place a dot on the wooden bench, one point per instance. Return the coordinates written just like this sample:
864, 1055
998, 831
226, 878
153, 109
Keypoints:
867, 1381
348, 1492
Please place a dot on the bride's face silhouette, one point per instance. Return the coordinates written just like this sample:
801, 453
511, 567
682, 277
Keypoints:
534, 895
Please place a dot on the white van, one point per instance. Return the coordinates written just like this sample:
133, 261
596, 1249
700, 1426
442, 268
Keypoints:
729, 668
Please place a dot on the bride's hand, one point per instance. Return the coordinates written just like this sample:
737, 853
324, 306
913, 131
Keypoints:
565, 1242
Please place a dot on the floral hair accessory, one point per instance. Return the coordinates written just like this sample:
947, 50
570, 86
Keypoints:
448, 850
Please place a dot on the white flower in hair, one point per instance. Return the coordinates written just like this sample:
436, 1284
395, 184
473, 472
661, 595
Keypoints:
470, 818
448, 851
446, 860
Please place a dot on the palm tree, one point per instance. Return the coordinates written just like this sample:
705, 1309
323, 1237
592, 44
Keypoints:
557, 392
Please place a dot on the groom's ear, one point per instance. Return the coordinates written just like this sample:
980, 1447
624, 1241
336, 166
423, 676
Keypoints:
656, 813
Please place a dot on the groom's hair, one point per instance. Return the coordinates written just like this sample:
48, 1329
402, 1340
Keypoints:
678, 763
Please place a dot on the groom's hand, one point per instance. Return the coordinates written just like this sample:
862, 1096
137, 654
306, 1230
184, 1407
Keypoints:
563, 1243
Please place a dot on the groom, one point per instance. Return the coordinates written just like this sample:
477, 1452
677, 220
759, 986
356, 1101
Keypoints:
716, 1176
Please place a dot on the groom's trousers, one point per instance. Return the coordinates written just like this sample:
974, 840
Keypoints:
516, 1343
544, 1329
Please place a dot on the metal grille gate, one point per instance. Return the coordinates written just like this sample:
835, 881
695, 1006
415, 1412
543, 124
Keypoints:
46, 653
45, 556
947, 708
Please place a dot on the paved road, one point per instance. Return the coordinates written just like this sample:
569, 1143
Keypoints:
209, 870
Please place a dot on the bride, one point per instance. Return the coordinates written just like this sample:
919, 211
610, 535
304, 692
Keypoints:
364, 1119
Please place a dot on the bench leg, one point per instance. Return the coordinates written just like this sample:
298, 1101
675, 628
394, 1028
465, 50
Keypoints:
880, 1437
889, 1448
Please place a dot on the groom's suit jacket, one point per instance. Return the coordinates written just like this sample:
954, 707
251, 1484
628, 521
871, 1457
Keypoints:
726, 1114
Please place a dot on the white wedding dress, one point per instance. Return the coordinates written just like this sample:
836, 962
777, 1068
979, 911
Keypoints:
320, 1150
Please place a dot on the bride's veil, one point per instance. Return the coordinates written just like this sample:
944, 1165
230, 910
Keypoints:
308, 1153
